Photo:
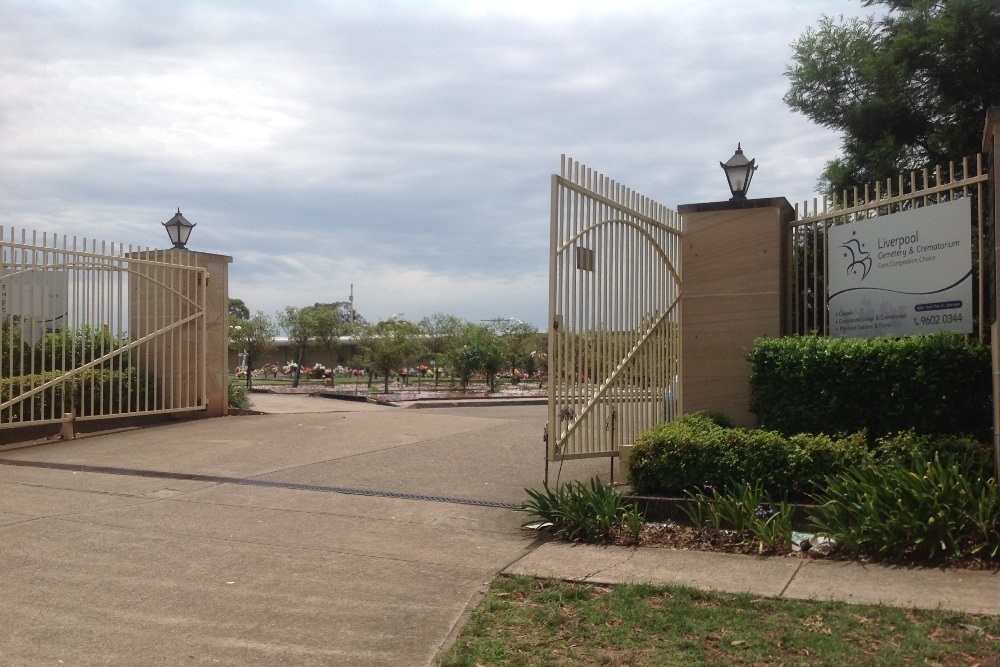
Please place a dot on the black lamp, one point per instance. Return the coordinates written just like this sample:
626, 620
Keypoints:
739, 170
179, 230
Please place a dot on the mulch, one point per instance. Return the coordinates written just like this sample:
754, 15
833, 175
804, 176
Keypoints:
676, 536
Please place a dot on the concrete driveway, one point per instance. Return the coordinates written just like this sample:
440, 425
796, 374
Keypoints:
332, 533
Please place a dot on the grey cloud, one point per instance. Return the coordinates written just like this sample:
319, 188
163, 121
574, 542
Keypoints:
396, 145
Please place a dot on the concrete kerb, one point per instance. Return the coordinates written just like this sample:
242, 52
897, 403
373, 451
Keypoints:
472, 402
418, 403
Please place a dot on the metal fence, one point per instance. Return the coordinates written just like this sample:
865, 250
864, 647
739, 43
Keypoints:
808, 268
614, 314
91, 330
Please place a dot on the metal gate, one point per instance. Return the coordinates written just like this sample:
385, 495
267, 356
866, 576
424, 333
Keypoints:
91, 330
614, 314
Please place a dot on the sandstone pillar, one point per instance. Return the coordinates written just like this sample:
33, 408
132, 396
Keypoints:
734, 271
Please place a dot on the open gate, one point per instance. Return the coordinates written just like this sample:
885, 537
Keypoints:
90, 330
614, 314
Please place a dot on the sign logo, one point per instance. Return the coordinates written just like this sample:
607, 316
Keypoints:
859, 258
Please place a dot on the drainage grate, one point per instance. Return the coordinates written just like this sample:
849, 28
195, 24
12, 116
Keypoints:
242, 481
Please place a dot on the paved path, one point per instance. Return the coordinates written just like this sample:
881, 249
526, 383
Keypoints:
258, 556
974, 592
333, 533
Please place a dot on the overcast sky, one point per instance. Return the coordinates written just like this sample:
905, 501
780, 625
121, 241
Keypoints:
404, 147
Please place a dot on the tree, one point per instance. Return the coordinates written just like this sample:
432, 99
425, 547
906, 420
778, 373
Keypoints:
440, 332
345, 312
518, 342
239, 309
333, 320
908, 90
299, 325
253, 336
477, 349
388, 346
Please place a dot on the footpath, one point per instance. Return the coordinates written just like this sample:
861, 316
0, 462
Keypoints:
970, 591
326, 532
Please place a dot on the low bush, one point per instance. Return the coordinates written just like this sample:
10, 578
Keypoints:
93, 392
239, 398
693, 453
747, 511
933, 385
577, 512
973, 458
923, 511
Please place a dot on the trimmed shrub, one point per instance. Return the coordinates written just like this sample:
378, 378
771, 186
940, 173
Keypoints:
939, 384
95, 391
693, 454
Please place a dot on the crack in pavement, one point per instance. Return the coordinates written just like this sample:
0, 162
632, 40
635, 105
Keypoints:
791, 579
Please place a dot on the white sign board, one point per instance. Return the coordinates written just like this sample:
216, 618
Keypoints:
902, 274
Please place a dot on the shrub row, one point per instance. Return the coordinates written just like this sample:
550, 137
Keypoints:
695, 453
903, 512
936, 384
92, 392
69, 348
927, 510
914, 511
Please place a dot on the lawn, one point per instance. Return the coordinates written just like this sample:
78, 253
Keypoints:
530, 622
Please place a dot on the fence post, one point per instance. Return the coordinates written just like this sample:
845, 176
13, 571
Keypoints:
990, 142
735, 265
176, 359
216, 332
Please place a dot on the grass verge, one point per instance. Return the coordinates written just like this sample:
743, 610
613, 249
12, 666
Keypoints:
533, 622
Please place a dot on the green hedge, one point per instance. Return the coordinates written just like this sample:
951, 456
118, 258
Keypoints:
93, 392
70, 348
695, 453
932, 385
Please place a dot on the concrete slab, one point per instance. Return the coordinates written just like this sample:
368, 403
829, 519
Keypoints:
363, 508
250, 445
440, 543
974, 592
489, 459
108, 596
7, 518
126, 570
38, 501
614, 565
120, 485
